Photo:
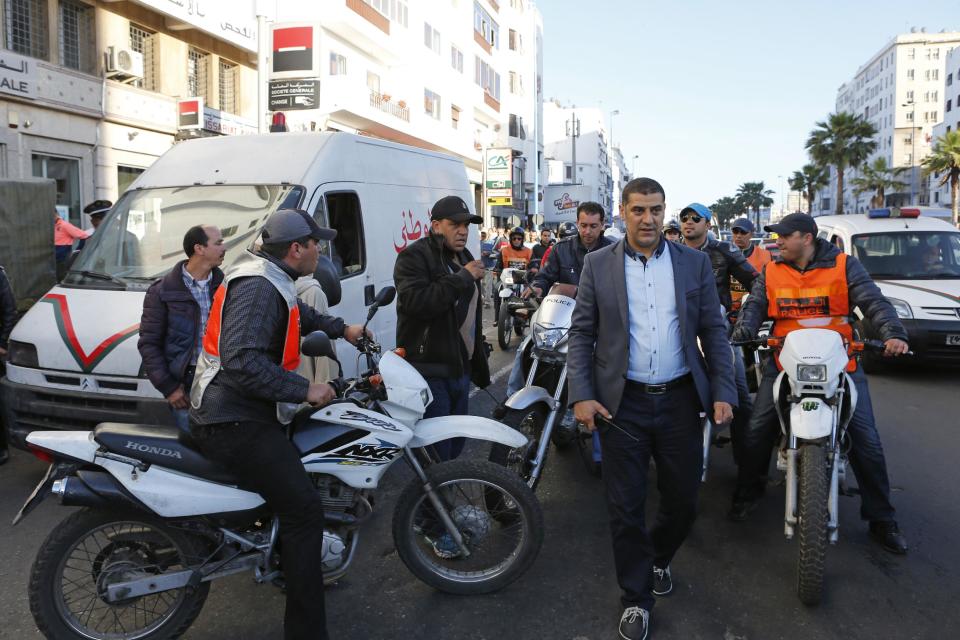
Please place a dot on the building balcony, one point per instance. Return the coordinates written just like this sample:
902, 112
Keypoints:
364, 27
491, 102
370, 14
384, 103
480, 40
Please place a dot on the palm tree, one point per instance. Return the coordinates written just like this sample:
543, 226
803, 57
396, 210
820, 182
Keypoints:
754, 196
809, 180
878, 177
843, 140
726, 209
945, 159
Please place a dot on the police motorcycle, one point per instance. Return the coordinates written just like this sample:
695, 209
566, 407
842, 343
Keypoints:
161, 522
815, 399
513, 313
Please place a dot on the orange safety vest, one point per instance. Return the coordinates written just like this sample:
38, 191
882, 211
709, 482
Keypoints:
515, 258
757, 258
209, 364
814, 299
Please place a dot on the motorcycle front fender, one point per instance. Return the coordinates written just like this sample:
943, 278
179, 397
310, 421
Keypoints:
505, 292
810, 419
431, 430
529, 396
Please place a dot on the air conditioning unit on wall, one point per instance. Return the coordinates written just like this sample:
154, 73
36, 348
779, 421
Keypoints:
123, 64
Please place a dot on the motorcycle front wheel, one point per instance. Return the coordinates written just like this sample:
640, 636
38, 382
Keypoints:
500, 550
812, 519
92, 549
504, 326
530, 423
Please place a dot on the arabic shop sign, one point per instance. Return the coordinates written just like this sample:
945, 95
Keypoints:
499, 176
561, 202
18, 75
411, 230
287, 95
231, 20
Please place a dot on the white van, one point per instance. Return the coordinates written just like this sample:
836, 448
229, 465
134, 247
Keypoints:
916, 263
73, 359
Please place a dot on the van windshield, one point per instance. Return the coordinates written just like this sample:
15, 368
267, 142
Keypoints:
913, 255
142, 237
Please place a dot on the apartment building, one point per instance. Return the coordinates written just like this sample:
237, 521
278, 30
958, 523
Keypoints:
593, 154
940, 195
89, 90
900, 91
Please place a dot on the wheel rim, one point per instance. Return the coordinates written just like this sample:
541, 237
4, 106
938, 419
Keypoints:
494, 541
111, 553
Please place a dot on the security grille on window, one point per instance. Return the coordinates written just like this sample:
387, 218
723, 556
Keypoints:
143, 42
197, 73
431, 104
25, 27
228, 87
338, 64
77, 44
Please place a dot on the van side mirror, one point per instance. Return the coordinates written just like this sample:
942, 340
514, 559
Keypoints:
317, 345
329, 279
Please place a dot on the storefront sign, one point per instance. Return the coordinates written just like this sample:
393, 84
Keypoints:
296, 51
189, 113
499, 177
192, 114
561, 202
233, 21
287, 95
18, 76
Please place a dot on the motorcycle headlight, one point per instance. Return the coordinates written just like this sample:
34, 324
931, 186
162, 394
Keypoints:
812, 372
23, 354
547, 337
903, 309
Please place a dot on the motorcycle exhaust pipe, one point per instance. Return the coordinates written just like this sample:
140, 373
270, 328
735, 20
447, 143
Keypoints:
94, 489
790, 510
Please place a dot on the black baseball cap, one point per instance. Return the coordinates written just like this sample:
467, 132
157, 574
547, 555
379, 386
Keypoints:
453, 208
743, 224
98, 208
793, 222
287, 225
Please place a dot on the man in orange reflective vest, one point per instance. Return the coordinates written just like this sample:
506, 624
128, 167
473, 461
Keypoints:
832, 285
742, 232
245, 378
513, 255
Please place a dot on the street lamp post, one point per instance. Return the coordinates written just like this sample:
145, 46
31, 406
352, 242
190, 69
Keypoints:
913, 145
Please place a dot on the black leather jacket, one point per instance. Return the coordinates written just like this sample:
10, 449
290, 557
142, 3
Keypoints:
565, 263
728, 262
864, 295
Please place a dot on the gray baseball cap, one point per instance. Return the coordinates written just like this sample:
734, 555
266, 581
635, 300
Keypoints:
286, 225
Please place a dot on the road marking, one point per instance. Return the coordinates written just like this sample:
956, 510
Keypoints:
494, 378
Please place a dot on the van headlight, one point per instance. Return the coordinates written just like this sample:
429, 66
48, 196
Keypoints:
903, 309
812, 372
23, 354
547, 337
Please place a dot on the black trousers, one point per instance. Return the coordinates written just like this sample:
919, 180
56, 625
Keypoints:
266, 462
668, 428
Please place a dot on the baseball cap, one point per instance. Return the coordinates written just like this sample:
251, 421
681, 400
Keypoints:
698, 209
743, 224
671, 224
98, 208
453, 208
793, 222
286, 225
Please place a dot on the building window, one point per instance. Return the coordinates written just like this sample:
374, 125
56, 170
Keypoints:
909, 116
910, 74
393, 10
143, 42
431, 38
456, 58
909, 96
516, 129
228, 87
338, 64
485, 26
197, 62
516, 83
949, 79
431, 104
515, 41
126, 176
373, 82
949, 105
455, 116
908, 140
77, 45
936, 54
911, 54
567, 172
65, 172
488, 79
25, 27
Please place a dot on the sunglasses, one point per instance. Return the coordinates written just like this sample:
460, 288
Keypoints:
740, 232
690, 216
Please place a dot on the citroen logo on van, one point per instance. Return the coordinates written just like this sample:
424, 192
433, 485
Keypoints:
86, 383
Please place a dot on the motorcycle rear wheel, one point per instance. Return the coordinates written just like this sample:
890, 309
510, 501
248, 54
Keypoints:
812, 519
504, 326
500, 552
89, 546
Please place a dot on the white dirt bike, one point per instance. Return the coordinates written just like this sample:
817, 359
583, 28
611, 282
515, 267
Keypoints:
815, 399
162, 521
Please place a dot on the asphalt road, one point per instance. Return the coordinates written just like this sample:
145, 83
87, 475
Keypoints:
732, 581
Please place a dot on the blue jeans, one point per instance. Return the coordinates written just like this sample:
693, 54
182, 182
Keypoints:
450, 398
181, 418
741, 415
517, 380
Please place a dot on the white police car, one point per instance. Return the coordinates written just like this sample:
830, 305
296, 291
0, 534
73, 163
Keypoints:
916, 263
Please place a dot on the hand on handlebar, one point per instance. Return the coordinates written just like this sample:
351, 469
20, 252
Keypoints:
532, 291
895, 347
319, 394
352, 333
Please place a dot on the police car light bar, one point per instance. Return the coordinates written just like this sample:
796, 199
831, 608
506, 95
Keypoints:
894, 212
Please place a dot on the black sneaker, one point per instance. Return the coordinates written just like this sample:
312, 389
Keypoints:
887, 535
634, 624
662, 582
741, 509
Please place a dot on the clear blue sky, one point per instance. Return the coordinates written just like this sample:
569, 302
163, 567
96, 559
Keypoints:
712, 94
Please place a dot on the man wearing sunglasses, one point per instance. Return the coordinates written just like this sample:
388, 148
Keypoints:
728, 264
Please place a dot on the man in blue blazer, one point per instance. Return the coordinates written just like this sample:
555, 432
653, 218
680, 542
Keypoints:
638, 374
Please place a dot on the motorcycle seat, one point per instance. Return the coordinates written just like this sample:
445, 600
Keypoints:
164, 446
